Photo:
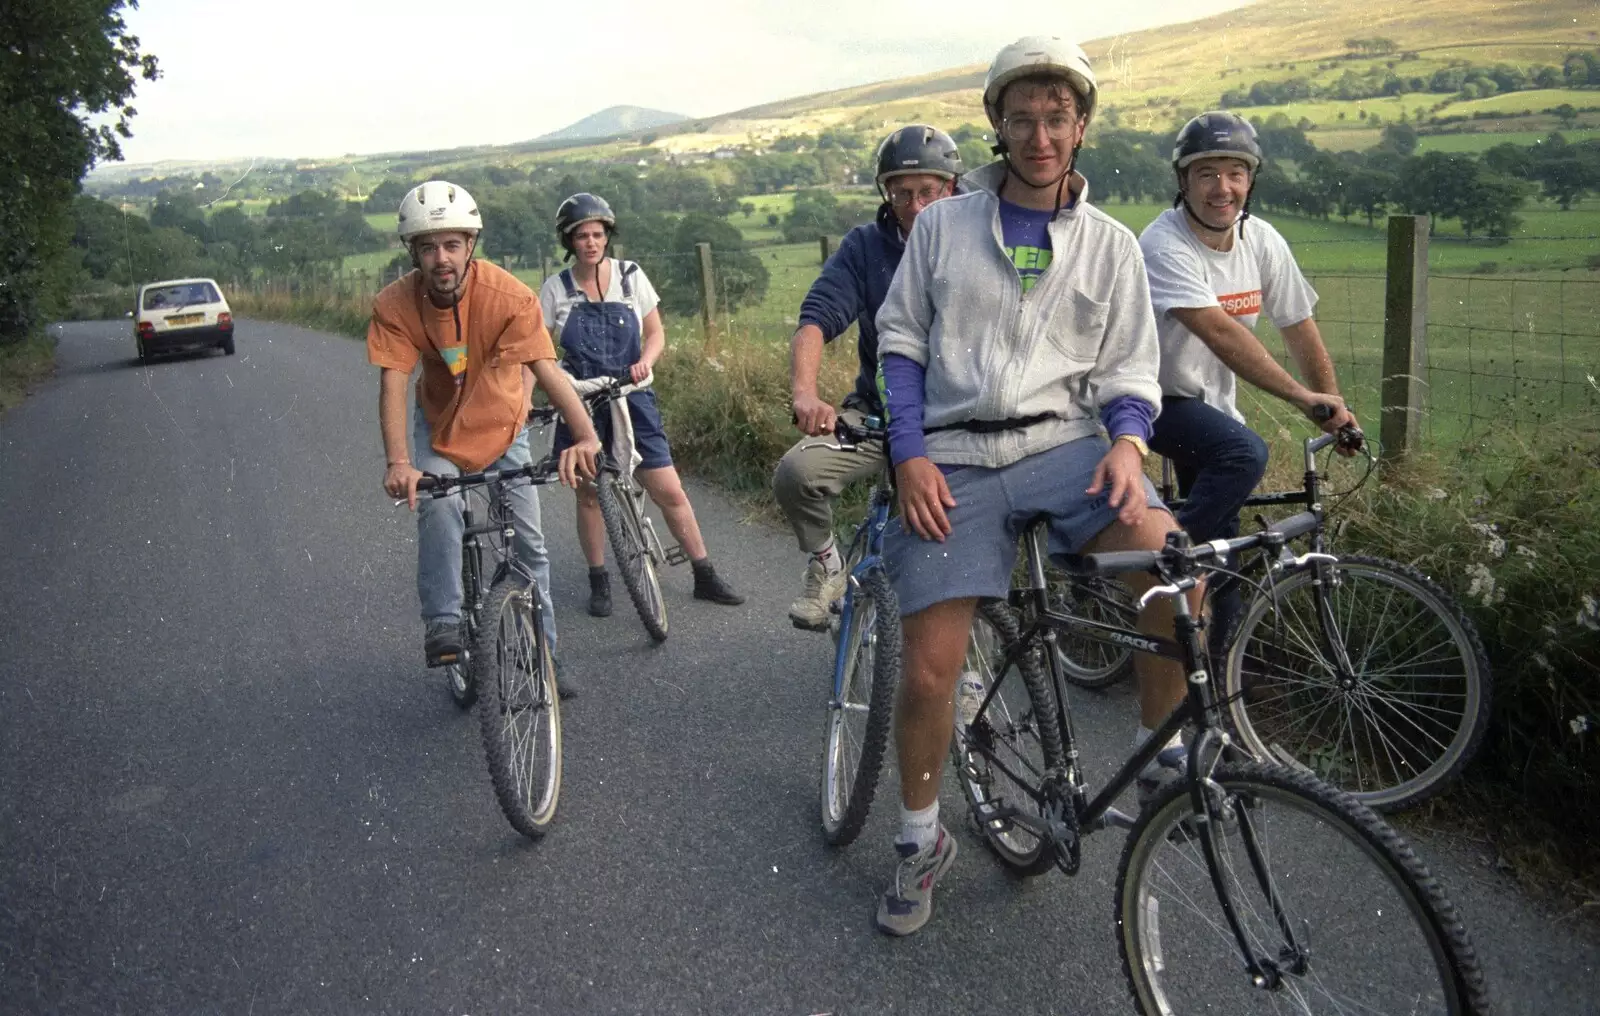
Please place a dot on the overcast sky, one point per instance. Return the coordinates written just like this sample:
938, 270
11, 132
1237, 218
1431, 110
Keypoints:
310, 78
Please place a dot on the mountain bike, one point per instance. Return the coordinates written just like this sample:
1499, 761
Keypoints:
639, 552
505, 667
1357, 668
1243, 887
866, 659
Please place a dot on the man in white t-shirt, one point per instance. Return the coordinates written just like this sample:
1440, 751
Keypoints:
1210, 278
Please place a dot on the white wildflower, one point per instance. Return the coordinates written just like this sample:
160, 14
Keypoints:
1581, 725
1543, 661
1589, 616
1490, 532
1437, 494
1483, 586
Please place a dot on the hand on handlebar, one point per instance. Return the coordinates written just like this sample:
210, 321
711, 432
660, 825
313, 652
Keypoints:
400, 480
580, 460
1331, 414
813, 416
638, 372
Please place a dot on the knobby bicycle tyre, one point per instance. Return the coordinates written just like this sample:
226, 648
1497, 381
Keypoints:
459, 676
1417, 709
1020, 728
519, 711
1373, 930
857, 731
1086, 663
632, 552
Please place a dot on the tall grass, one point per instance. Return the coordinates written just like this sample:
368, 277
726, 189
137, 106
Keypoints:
22, 365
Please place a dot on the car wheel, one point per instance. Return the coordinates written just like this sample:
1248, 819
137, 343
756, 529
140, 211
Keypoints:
144, 357
227, 346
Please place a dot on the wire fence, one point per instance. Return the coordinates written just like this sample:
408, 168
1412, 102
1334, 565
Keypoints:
1502, 350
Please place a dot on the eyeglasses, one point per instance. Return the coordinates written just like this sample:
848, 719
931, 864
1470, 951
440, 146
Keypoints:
900, 197
1021, 128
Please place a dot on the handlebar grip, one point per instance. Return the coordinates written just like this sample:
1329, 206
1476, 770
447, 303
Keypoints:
429, 481
1322, 412
1112, 562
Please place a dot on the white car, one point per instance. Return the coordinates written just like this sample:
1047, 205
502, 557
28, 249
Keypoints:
182, 314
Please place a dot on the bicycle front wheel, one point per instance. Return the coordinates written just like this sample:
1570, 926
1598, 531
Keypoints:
859, 716
623, 524
518, 709
1372, 679
1003, 756
1338, 912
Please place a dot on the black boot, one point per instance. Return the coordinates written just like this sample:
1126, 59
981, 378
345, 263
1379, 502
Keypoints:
708, 585
599, 592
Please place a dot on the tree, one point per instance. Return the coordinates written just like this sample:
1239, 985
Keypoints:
1566, 114
63, 62
741, 278
1399, 138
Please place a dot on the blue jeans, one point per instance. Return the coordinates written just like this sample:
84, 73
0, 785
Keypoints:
440, 528
1218, 460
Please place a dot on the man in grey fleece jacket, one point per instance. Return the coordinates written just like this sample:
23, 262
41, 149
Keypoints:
1018, 325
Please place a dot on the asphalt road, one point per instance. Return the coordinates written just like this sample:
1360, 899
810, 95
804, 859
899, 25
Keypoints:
228, 785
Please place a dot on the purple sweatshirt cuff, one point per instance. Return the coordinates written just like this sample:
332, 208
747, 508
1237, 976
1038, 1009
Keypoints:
902, 380
1128, 414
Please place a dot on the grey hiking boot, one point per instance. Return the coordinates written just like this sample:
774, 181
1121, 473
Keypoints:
813, 609
906, 906
1168, 768
441, 642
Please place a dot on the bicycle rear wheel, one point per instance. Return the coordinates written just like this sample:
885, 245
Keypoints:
634, 560
518, 709
1085, 662
1011, 746
1332, 901
1407, 715
859, 716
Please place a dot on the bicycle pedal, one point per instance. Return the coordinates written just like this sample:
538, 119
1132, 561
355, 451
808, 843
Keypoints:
449, 659
676, 555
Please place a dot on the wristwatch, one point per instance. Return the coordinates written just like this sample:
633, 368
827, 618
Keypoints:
1137, 442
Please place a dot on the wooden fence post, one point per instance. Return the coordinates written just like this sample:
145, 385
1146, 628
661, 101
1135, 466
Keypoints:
1405, 336
826, 245
708, 297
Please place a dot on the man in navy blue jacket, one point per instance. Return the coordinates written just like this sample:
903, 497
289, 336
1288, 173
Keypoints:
916, 166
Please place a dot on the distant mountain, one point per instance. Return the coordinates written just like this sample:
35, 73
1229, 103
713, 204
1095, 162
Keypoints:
611, 122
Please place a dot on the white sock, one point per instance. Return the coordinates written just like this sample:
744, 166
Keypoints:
919, 827
832, 563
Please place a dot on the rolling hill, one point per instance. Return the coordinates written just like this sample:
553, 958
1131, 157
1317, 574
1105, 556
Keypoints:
612, 122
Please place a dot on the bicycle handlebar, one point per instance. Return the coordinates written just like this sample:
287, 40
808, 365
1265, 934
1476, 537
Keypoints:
1182, 559
543, 471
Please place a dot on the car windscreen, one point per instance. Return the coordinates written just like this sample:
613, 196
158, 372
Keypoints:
180, 295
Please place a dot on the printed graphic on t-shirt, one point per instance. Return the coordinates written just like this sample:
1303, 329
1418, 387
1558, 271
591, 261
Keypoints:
1030, 263
1241, 304
455, 357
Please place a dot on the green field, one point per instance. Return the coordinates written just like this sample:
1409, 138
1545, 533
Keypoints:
1534, 100
1475, 143
1503, 349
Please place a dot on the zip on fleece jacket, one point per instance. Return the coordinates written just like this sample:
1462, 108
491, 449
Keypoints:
1083, 336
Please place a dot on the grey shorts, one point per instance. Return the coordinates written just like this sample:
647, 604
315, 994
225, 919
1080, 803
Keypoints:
993, 508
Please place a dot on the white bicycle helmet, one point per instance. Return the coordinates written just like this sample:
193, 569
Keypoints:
1040, 54
438, 206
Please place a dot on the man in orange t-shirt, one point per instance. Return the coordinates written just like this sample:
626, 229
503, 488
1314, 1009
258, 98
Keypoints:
480, 338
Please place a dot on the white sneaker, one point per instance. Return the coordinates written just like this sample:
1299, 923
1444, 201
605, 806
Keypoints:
969, 697
813, 609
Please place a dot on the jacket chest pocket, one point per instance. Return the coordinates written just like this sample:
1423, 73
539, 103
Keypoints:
1076, 327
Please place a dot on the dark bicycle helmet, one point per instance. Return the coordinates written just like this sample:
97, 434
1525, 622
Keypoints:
1217, 134
580, 208
918, 148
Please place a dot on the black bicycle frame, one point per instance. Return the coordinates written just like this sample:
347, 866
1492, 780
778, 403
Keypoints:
1207, 746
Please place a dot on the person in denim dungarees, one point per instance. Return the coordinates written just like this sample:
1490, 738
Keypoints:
604, 313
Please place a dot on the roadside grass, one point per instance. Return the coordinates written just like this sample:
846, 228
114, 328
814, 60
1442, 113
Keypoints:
24, 364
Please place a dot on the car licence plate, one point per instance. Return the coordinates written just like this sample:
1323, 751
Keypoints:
186, 319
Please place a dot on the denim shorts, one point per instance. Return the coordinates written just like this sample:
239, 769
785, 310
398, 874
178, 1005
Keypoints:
649, 436
993, 509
